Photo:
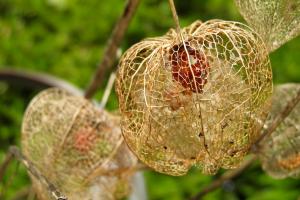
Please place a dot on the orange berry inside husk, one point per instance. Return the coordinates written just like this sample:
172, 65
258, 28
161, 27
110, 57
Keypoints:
190, 67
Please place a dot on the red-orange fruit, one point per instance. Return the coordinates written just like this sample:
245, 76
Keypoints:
189, 67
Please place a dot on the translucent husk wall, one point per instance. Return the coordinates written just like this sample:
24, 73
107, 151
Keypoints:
74, 144
199, 98
280, 153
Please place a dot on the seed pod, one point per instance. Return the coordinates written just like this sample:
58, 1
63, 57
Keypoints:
196, 101
280, 153
68, 140
276, 21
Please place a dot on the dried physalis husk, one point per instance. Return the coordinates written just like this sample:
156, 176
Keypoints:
75, 145
201, 101
280, 153
276, 21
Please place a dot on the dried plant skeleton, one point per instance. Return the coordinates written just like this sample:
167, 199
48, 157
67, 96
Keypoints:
200, 101
280, 154
75, 140
277, 21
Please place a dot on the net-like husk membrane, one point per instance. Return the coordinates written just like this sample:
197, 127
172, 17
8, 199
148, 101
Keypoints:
277, 21
280, 153
198, 102
68, 140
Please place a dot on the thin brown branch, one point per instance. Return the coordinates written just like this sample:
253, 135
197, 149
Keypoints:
117, 171
278, 120
56, 194
225, 177
113, 43
8, 159
22, 194
291, 104
32, 194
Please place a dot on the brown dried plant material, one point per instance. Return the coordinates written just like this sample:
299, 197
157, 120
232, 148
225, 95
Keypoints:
276, 21
197, 102
280, 153
68, 140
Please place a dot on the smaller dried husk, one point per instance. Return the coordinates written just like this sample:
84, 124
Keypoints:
280, 152
276, 21
199, 98
75, 145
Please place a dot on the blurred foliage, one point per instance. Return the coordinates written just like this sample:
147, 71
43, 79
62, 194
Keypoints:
66, 38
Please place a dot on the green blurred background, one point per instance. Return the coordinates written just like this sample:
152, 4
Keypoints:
66, 38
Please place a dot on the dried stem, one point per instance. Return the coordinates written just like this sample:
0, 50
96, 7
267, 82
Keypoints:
175, 16
8, 159
113, 43
118, 171
56, 194
277, 121
235, 173
31, 194
22, 194
108, 89
225, 177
